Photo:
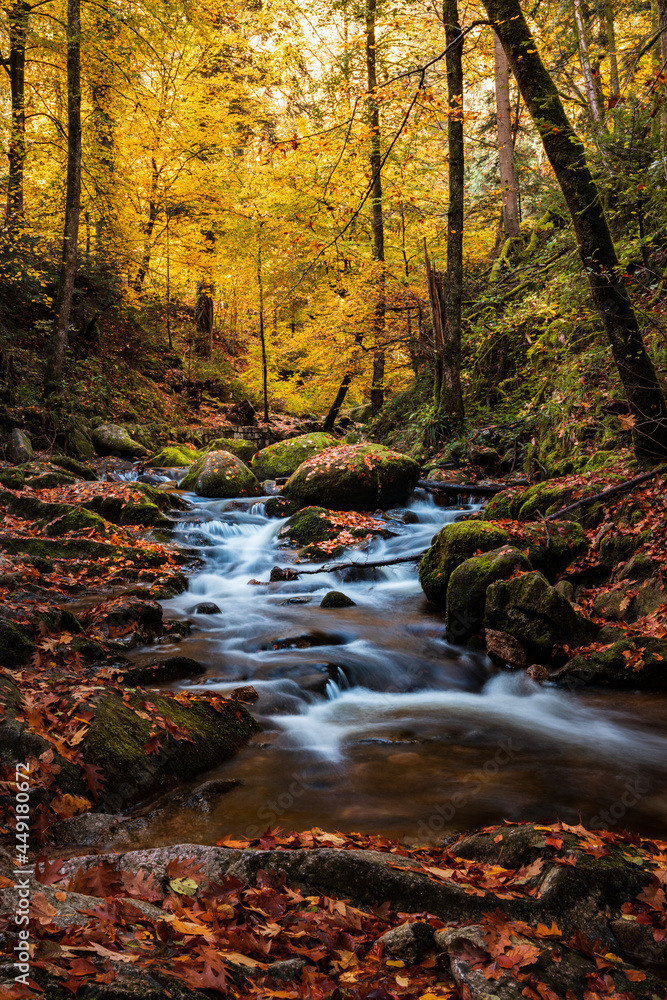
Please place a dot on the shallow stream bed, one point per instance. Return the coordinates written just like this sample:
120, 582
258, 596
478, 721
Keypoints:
373, 722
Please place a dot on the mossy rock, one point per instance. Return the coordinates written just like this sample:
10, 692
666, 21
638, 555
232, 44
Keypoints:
285, 457
220, 475
468, 583
16, 646
542, 499
354, 477
79, 548
78, 469
77, 519
552, 549
335, 599
49, 481
627, 664
114, 439
315, 553
311, 524
536, 615
117, 738
12, 479
602, 460
280, 507
172, 457
146, 514
241, 448
453, 545
618, 548
79, 445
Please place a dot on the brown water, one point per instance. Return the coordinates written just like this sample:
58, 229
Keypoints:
372, 722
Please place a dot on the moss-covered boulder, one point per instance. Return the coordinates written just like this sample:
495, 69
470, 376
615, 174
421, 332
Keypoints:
551, 548
617, 547
626, 664
173, 457
536, 615
79, 445
280, 507
354, 477
241, 448
453, 545
117, 738
16, 646
79, 469
113, 439
220, 475
12, 479
311, 524
18, 447
541, 499
466, 591
336, 599
285, 457
76, 520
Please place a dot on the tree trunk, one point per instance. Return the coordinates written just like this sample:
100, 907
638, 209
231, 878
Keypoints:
377, 222
447, 396
149, 227
58, 342
18, 28
337, 403
505, 142
614, 79
262, 337
589, 83
598, 254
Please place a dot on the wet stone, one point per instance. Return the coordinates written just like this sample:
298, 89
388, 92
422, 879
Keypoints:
206, 608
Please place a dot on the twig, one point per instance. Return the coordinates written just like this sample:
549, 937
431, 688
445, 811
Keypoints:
625, 487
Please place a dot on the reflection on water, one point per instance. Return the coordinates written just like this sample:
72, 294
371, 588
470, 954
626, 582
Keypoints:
373, 722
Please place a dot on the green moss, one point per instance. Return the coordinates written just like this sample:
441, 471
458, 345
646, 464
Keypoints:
335, 599
279, 507
172, 457
16, 646
77, 519
619, 666
620, 548
468, 583
453, 545
310, 524
285, 457
552, 549
354, 477
242, 449
78, 469
220, 474
601, 460
12, 479
49, 481
536, 615
147, 514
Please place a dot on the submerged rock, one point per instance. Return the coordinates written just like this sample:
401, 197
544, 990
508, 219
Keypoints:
335, 599
285, 457
220, 474
354, 477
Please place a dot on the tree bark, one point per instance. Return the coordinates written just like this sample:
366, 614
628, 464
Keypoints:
589, 83
505, 142
58, 342
447, 396
262, 337
377, 221
596, 248
18, 29
337, 403
103, 135
614, 79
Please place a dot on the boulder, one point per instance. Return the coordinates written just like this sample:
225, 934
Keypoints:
466, 590
310, 524
19, 447
79, 469
536, 615
220, 474
76, 520
334, 599
112, 439
241, 448
280, 507
79, 445
408, 942
632, 663
16, 646
551, 549
361, 414
285, 457
354, 477
173, 457
453, 545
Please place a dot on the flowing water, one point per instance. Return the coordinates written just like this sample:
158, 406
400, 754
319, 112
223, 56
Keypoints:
372, 721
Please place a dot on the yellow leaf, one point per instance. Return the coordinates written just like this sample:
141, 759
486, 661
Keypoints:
236, 958
184, 886
396, 963
185, 927
402, 981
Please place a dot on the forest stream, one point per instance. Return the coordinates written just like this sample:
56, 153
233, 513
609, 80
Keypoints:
371, 720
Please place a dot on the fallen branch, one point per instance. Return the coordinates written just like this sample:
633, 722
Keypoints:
291, 572
456, 488
625, 487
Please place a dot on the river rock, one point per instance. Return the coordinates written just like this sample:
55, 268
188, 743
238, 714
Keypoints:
173, 457
110, 439
536, 615
354, 477
408, 942
334, 599
220, 474
452, 546
206, 608
19, 447
629, 663
285, 457
160, 671
311, 524
235, 446
466, 590
280, 507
